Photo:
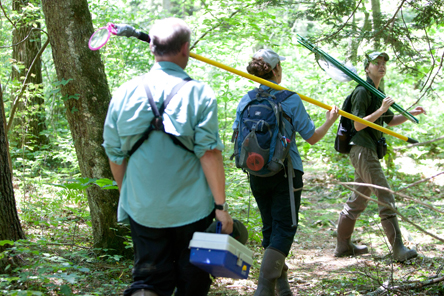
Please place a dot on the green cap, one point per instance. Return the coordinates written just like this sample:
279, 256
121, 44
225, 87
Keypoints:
373, 56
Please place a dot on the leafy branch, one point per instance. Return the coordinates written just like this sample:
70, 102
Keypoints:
6, 15
220, 23
343, 25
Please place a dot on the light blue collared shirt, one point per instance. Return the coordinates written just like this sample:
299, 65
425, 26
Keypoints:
164, 185
301, 122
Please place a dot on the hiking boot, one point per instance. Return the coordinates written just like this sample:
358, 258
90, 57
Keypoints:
271, 270
282, 285
344, 245
144, 292
394, 236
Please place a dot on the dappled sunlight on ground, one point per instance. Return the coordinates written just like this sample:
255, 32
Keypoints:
427, 168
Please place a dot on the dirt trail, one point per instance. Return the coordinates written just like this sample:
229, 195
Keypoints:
313, 270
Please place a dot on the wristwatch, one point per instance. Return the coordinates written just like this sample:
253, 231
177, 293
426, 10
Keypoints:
222, 207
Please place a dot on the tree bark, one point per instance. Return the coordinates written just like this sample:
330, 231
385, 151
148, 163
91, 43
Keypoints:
30, 119
377, 22
86, 97
2, 106
377, 26
10, 228
353, 41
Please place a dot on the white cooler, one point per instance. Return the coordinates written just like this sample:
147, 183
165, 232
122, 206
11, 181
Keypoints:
220, 255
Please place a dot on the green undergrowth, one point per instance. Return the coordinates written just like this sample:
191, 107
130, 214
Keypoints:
57, 258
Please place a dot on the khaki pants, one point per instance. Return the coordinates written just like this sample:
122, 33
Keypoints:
368, 170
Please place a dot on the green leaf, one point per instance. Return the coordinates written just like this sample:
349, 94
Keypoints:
66, 290
6, 242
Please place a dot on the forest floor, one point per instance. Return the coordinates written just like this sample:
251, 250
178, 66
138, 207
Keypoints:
313, 270
57, 258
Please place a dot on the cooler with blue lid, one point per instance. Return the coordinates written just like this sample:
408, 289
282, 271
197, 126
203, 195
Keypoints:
220, 255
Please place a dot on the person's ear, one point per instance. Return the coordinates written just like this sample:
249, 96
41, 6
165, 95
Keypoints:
185, 49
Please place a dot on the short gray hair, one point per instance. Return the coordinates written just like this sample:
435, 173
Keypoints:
168, 36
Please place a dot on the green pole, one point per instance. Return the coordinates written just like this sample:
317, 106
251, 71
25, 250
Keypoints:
305, 98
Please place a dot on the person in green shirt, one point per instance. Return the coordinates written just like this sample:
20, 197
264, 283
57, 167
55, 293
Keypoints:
363, 156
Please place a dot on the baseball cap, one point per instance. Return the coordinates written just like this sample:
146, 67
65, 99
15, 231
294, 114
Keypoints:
240, 232
269, 56
373, 56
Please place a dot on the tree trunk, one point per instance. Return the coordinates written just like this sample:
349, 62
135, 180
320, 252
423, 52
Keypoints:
10, 228
353, 42
377, 26
2, 105
29, 120
87, 96
166, 5
377, 22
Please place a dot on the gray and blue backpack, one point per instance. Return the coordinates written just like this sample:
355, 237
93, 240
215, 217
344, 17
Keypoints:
261, 144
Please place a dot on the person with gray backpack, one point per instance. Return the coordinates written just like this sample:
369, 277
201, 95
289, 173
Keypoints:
264, 132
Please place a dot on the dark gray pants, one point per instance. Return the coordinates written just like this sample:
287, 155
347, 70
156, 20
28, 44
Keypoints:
368, 170
273, 199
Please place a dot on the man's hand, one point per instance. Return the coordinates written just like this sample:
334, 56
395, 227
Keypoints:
118, 171
227, 221
418, 110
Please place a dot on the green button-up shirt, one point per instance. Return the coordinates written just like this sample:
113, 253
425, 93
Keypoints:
365, 103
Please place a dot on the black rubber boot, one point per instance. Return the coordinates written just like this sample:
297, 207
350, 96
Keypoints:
271, 270
344, 246
394, 236
282, 285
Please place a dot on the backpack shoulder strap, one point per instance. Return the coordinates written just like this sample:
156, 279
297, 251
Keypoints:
280, 97
157, 122
252, 93
258, 90
283, 95
172, 94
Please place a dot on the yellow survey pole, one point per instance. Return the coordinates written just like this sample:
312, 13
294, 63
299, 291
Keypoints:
305, 98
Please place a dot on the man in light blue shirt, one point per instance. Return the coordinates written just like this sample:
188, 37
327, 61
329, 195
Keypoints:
167, 192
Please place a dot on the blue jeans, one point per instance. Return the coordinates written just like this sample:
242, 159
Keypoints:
273, 199
162, 260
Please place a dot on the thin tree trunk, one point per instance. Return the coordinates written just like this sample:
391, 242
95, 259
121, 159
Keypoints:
377, 25
2, 105
353, 42
30, 118
70, 26
10, 228
166, 5
376, 15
